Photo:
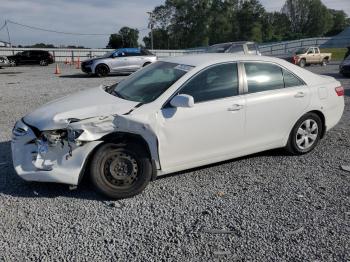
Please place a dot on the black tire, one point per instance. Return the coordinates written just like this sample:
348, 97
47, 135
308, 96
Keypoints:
43, 62
302, 63
13, 63
146, 64
324, 62
102, 70
295, 136
120, 170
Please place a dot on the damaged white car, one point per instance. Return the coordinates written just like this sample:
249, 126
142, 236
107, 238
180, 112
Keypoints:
175, 114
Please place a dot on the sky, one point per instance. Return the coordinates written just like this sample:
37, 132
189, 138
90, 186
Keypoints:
90, 16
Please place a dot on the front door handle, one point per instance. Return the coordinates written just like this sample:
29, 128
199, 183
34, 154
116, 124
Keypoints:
299, 94
235, 107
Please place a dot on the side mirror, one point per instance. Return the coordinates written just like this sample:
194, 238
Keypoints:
182, 101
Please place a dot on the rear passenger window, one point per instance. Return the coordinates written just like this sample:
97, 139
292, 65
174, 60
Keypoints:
290, 80
216, 82
263, 77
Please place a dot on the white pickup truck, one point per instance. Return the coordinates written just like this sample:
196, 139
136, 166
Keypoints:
311, 55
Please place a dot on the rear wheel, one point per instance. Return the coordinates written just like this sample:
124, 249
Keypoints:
324, 62
120, 170
102, 70
13, 63
305, 134
43, 62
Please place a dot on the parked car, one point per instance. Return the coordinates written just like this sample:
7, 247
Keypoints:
243, 47
308, 56
124, 60
175, 114
4, 62
344, 67
31, 57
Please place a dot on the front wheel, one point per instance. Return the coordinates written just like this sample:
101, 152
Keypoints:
120, 170
302, 63
102, 70
305, 134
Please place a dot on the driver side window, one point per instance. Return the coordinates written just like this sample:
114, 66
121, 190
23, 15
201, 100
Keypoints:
119, 54
216, 82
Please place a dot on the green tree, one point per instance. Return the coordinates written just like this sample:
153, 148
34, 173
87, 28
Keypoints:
340, 22
308, 18
126, 37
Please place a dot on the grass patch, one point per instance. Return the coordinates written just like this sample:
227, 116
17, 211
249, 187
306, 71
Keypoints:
337, 53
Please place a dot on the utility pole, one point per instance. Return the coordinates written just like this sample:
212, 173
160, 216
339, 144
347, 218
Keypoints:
150, 25
8, 33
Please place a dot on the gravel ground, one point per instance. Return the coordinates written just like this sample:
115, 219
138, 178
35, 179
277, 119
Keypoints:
265, 207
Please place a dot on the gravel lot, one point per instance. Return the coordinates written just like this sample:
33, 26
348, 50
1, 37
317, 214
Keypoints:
265, 207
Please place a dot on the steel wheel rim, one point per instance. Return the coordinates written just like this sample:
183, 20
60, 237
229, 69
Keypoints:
119, 169
307, 134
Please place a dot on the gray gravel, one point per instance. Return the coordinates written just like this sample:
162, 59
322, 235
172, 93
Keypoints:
265, 207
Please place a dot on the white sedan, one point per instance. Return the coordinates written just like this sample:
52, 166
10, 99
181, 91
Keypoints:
176, 114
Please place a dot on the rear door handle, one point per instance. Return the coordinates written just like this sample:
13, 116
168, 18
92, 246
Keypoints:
299, 94
235, 107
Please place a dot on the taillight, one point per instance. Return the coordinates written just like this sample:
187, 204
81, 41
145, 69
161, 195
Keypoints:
339, 90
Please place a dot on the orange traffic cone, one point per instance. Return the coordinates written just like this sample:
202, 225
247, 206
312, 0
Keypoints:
78, 63
57, 71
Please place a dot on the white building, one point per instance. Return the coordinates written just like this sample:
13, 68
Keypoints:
4, 44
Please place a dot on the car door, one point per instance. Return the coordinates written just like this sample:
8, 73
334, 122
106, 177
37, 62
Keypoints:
26, 57
134, 61
118, 61
210, 131
318, 58
275, 99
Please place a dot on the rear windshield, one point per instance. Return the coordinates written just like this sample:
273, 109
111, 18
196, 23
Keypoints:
301, 51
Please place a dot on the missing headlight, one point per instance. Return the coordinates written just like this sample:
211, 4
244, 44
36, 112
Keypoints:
73, 134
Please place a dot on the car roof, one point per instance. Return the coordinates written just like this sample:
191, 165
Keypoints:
214, 58
129, 50
234, 43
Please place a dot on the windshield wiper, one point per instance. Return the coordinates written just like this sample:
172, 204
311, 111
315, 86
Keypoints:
117, 94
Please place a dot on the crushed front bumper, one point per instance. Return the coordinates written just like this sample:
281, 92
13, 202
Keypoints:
59, 164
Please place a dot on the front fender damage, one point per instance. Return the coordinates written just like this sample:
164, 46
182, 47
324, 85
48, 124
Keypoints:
94, 129
73, 144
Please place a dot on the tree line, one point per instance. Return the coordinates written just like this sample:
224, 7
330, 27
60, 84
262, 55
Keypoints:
179, 24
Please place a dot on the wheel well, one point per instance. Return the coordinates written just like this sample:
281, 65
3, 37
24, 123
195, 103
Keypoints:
117, 138
326, 58
102, 64
147, 63
323, 119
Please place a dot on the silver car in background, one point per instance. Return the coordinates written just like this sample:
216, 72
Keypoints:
241, 47
124, 60
4, 62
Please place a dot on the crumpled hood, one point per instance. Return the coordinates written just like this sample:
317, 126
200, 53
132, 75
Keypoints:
89, 103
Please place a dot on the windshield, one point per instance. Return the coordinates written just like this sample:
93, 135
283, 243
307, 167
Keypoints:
108, 54
146, 85
301, 51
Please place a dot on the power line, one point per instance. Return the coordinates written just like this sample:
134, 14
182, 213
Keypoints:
60, 32
3, 26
